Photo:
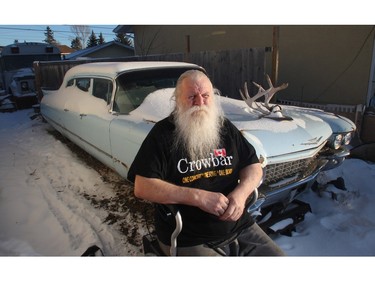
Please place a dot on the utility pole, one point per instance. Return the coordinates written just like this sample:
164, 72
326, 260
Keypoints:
187, 52
275, 55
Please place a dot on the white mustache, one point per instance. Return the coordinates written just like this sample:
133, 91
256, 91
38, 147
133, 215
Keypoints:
198, 108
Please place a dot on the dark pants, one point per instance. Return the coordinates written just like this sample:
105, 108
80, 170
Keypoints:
252, 241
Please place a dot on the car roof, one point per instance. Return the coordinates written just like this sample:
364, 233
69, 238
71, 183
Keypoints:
112, 69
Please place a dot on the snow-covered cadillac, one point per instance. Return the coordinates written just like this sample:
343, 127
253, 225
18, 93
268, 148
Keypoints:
108, 108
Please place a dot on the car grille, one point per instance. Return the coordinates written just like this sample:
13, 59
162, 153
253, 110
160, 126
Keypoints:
277, 175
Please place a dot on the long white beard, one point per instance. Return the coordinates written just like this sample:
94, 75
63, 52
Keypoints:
198, 130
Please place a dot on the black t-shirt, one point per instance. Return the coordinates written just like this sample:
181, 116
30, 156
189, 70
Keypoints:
219, 172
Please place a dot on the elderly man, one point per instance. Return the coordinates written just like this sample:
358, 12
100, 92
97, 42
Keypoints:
197, 159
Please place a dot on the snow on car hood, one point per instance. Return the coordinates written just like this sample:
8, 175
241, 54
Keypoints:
270, 137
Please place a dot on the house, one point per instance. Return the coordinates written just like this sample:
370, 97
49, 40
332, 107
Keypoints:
331, 64
111, 49
65, 50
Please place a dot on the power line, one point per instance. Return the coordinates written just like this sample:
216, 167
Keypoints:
36, 32
54, 30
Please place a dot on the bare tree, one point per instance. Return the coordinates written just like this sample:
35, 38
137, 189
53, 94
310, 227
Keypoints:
145, 45
82, 32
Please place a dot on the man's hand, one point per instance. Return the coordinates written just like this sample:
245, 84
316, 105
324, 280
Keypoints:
235, 208
250, 178
213, 202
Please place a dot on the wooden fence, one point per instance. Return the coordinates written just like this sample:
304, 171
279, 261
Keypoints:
228, 69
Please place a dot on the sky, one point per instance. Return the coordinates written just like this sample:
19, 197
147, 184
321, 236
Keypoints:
197, 12
48, 218
103, 18
62, 33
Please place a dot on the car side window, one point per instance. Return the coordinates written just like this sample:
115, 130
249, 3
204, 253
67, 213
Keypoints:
83, 84
70, 83
102, 89
122, 103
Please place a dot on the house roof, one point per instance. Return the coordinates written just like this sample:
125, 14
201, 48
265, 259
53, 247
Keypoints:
86, 52
64, 49
123, 29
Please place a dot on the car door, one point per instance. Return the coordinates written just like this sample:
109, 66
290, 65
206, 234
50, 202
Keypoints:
95, 118
127, 132
76, 94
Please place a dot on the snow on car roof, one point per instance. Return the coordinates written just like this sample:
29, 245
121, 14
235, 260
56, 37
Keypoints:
112, 69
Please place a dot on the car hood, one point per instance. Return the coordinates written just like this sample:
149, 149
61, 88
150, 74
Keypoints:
338, 123
271, 138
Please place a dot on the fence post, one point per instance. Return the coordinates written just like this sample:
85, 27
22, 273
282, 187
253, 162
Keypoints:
38, 80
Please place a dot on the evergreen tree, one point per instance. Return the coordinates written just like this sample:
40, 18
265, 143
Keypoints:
122, 38
92, 41
101, 39
50, 39
76, 44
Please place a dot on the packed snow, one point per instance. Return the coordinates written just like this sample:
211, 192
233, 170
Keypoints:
54, 204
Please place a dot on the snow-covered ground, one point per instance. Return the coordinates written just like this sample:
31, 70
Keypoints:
56, 202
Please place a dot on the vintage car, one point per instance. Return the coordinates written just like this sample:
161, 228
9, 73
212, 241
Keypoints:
108, 108
22, 88
6, 104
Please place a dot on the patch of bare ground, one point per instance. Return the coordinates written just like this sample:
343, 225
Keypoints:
128, 215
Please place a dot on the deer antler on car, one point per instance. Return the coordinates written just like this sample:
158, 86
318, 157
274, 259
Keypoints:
251, 101
268, 94
273, 90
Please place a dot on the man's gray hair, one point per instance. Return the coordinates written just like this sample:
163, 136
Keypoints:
193, 74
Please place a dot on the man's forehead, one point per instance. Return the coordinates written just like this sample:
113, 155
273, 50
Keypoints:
198, 84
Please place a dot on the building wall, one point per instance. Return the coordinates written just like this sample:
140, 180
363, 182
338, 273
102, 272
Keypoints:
111, 52
323, 64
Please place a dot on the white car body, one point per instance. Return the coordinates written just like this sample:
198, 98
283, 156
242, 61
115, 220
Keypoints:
110, 128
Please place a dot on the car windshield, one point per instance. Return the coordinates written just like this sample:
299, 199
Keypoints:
133, 87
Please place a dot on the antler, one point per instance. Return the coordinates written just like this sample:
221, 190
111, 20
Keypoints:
273, 90
268, 94
250, 101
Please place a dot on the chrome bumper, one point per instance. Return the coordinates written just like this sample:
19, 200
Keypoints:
335, 159
286, 193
